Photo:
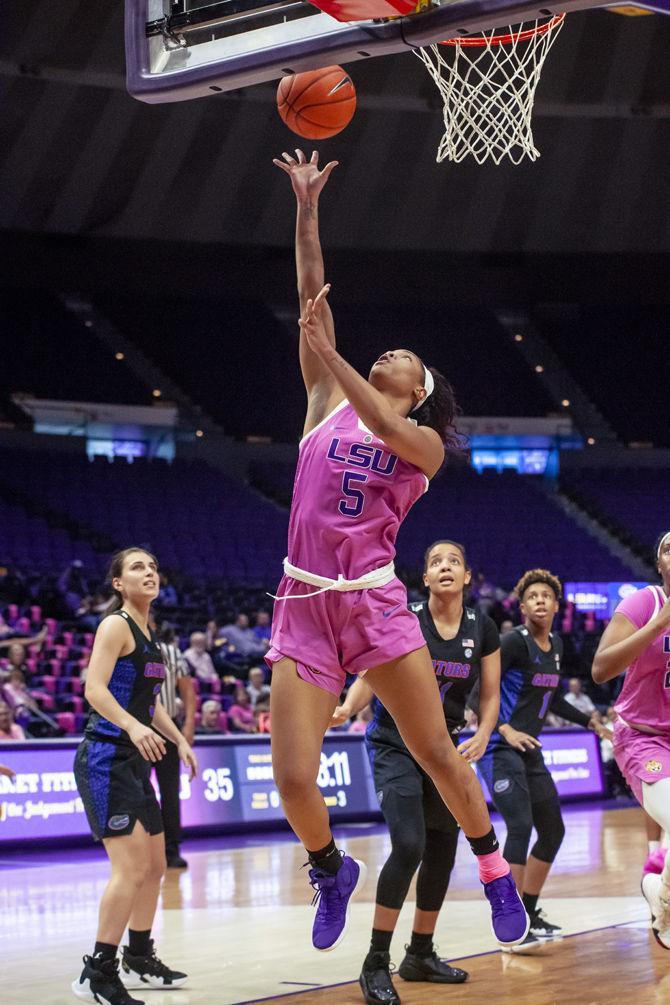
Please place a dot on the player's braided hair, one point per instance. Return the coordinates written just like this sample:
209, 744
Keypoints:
439, 411
115, 571
538, 576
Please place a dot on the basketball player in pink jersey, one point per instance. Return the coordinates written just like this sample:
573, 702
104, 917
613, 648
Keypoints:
637, 640
368, 452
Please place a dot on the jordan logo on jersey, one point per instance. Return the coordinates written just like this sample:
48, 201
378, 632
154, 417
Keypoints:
361, 455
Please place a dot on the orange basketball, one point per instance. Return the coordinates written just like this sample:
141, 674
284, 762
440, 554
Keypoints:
317, 104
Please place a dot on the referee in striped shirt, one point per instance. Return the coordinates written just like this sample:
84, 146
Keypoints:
177, 684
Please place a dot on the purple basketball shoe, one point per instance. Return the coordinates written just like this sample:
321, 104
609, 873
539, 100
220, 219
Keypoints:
509, 920
332, 894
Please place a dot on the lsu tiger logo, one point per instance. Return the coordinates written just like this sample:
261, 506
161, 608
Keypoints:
653, 766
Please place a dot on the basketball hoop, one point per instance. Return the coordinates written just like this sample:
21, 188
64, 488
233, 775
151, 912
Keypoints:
488, 85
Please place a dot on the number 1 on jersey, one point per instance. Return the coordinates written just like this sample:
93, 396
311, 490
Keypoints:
545, 704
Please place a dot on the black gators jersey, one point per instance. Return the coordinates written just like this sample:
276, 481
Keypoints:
457, 662
530, 682
135, 683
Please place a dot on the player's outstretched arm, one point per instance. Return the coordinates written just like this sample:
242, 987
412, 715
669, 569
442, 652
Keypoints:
621, 643
419, 445
308, 183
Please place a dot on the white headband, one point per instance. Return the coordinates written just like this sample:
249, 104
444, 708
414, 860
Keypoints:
661, 543
429, 386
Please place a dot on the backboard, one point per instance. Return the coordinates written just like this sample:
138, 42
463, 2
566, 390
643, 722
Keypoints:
181, 49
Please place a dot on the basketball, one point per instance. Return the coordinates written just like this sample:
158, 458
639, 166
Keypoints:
317, 104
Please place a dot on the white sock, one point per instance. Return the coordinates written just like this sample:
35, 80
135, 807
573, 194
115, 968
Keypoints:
652, 846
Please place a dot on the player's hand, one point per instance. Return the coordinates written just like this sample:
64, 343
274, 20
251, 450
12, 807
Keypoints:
305, 176
7, 772
188, 758
473, 749
311, 322
519, 740
150, 745
663, 616
341, 715
601, 728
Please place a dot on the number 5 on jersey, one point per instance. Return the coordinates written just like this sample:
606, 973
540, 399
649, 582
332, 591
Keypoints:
354, 507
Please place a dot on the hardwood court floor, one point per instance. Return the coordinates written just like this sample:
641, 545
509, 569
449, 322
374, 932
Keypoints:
239, 922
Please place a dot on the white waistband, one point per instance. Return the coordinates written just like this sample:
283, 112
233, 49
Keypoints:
378, 577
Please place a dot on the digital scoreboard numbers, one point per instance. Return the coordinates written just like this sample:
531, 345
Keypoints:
344, 779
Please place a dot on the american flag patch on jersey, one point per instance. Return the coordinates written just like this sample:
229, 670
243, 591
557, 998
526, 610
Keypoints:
468, 642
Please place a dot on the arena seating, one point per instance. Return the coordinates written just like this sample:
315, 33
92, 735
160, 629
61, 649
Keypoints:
28, 542
631, 500
198, 521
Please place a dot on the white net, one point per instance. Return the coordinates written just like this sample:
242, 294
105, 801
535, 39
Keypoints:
488, 85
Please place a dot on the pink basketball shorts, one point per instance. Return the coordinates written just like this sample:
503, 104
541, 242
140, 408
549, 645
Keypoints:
333, 633
641, 757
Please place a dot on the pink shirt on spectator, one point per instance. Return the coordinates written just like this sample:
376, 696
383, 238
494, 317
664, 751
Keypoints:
645, 696
242, 712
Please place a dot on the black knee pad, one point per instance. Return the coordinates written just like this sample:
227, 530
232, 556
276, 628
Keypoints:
550, 829
436, 866
408, 839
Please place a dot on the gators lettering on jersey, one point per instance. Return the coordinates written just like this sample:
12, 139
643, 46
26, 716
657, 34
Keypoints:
530, 684
457, 662
135, 683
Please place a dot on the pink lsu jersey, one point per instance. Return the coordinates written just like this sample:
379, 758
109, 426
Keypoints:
350, 495
645, 696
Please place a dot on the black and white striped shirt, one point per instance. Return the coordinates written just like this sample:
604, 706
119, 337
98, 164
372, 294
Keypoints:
175, 667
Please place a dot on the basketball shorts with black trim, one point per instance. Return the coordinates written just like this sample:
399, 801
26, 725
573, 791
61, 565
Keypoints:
115, 787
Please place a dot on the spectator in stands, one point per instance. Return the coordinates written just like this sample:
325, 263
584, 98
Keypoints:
263, 628
198, 659
210, 718
167, 596
577, 698
506, 626
9, 730
16, 652
483, 593
6, 631
16, 692
25, 706
16, 655
87, 616
240, 715
360, 723
257, 689
262, 717
221, 650
72, 586
242, 637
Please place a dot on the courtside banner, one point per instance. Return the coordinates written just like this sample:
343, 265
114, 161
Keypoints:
234, 788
